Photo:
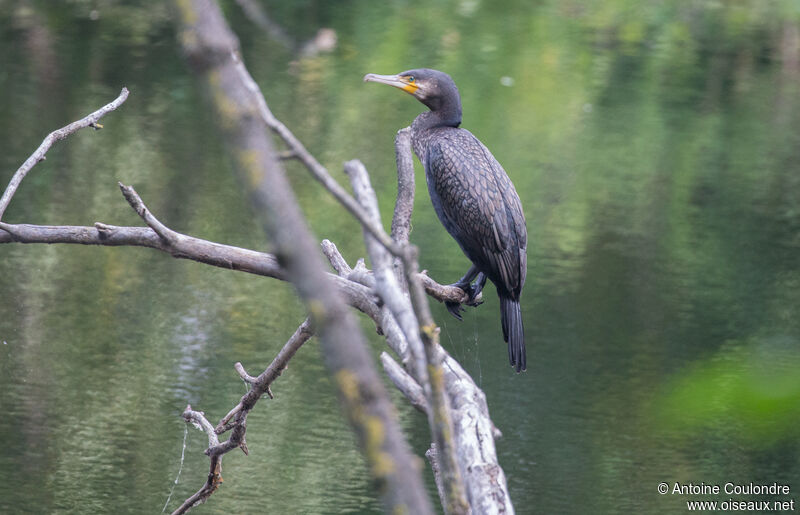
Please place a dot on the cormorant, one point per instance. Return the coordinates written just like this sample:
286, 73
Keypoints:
473, 197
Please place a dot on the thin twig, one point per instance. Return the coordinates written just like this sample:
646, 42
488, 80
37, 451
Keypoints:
335, 257
198, 419
256, 14
405, 383
319, 172
168, 235
247, 378
260, 385
362, 275
39, 155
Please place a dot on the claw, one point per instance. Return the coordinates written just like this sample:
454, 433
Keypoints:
472, 291
455, 309
473, 303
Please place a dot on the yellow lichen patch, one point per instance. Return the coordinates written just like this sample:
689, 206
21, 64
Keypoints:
375, 434
436, 374
229, 112
250, 163
317, 310
430, 331
187, 14
348, 384
373, 429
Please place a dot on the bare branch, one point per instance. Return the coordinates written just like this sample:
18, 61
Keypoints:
256, 14
198, 419
179, 246
213, 50
247, 378
39, 155
169, 236
355, 285
416, 325
362, 275
445, 292
319, 172
335, 257
433, 459
260, 385
323, 41
185, 247
404, 205
405, 383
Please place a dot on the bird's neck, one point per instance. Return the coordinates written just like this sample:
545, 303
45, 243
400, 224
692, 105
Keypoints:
426, 124
442, 114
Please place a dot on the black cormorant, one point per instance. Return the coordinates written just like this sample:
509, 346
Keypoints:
473, 197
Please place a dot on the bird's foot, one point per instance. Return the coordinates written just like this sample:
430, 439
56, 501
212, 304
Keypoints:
473, 292
455, 309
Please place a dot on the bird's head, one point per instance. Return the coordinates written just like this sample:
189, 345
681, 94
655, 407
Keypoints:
433, 88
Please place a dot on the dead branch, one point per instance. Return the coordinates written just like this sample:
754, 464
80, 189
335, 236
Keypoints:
212, 49
473, 430
203, 251
409, 387
471, 425
199, 420
323, 41
319, 172
404, 205
258, 386
421, 335
169, 236
39, 155
336, 259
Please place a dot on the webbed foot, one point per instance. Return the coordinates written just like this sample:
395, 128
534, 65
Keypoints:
472, 291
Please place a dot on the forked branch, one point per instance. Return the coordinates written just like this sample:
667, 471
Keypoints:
89, 120
258, 387
450, 391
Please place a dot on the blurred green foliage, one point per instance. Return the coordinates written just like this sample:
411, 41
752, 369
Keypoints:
750, 391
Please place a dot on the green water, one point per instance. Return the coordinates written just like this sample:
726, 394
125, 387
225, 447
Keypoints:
656, 149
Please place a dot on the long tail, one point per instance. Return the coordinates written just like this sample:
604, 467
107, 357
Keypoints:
513, 332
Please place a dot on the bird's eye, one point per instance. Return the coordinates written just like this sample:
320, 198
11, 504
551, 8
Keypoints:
410, 78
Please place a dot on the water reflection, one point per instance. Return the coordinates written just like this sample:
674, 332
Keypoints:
655, 148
